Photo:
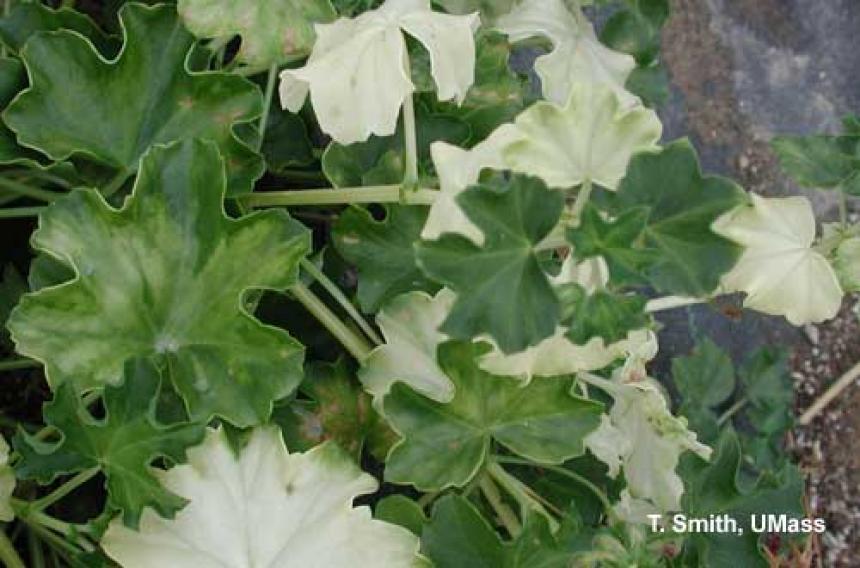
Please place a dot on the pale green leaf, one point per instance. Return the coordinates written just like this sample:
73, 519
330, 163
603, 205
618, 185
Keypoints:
273, 31
779, 270
410, 324
7, 483
164, 276
264, 507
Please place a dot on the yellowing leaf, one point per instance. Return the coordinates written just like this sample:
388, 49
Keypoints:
357, 74
410, 324
261, 508
591, 138
7, 483
577, 55
779, 270
273, 31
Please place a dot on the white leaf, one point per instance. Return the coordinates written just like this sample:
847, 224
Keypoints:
410, 324
634, 511
591, 138
779, 270
653, 441
7, 483
577, 56
357, 73
458, 169
264, 508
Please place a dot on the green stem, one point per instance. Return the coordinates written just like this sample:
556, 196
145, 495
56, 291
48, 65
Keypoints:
582, 199
267, 103
354, 343
843, 208
37, 555
116, 183
28, 191
15, 364
410, 143
42, 175
341, 299
7, 6
64, 489
369, 194
20, 212
8, 554
732, 410
506, 516
248, 71
520, 492
601, 496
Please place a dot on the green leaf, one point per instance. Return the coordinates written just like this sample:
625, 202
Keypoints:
286, 143
459, 537
615, 240
635, 29
490, 9
383, 251
164, 276
118, 109
822, 161
12, 287
446, 444
705, 379
123, 445
403, 511
714, 489
537, 547
29, 18
13, 79
651, 84
380, 161
273, 32
603, 314
501, 288
689, 258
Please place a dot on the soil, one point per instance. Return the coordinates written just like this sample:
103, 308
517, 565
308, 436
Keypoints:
743, 71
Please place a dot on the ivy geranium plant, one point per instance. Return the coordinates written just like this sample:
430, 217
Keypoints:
330, 284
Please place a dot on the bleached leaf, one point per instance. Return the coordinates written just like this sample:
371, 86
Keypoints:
410, 324
591, 138
458, 169
263, 508
634, 511
644, 436
357, 73
779, 270
7, 483
577, 55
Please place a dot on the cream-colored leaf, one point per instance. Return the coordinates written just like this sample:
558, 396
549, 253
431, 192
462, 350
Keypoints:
634, 511
577, 55
7, 483
653, 441
591, 138
264, 508
357, 73
458, 169
410, 324
779, 270
273, 31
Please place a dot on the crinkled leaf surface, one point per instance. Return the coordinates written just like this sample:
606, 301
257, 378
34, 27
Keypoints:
383, 251
779, 270
118, 109
643, 437
589, 139
446, 444
273, 31
714, 489
165, 276
28, 18
688, 257
123, 445
577, 54
410, 324
501, 289
264, 507
7, 482
614, 240
356, 74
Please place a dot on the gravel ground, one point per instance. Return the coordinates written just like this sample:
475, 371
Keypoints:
743, 71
